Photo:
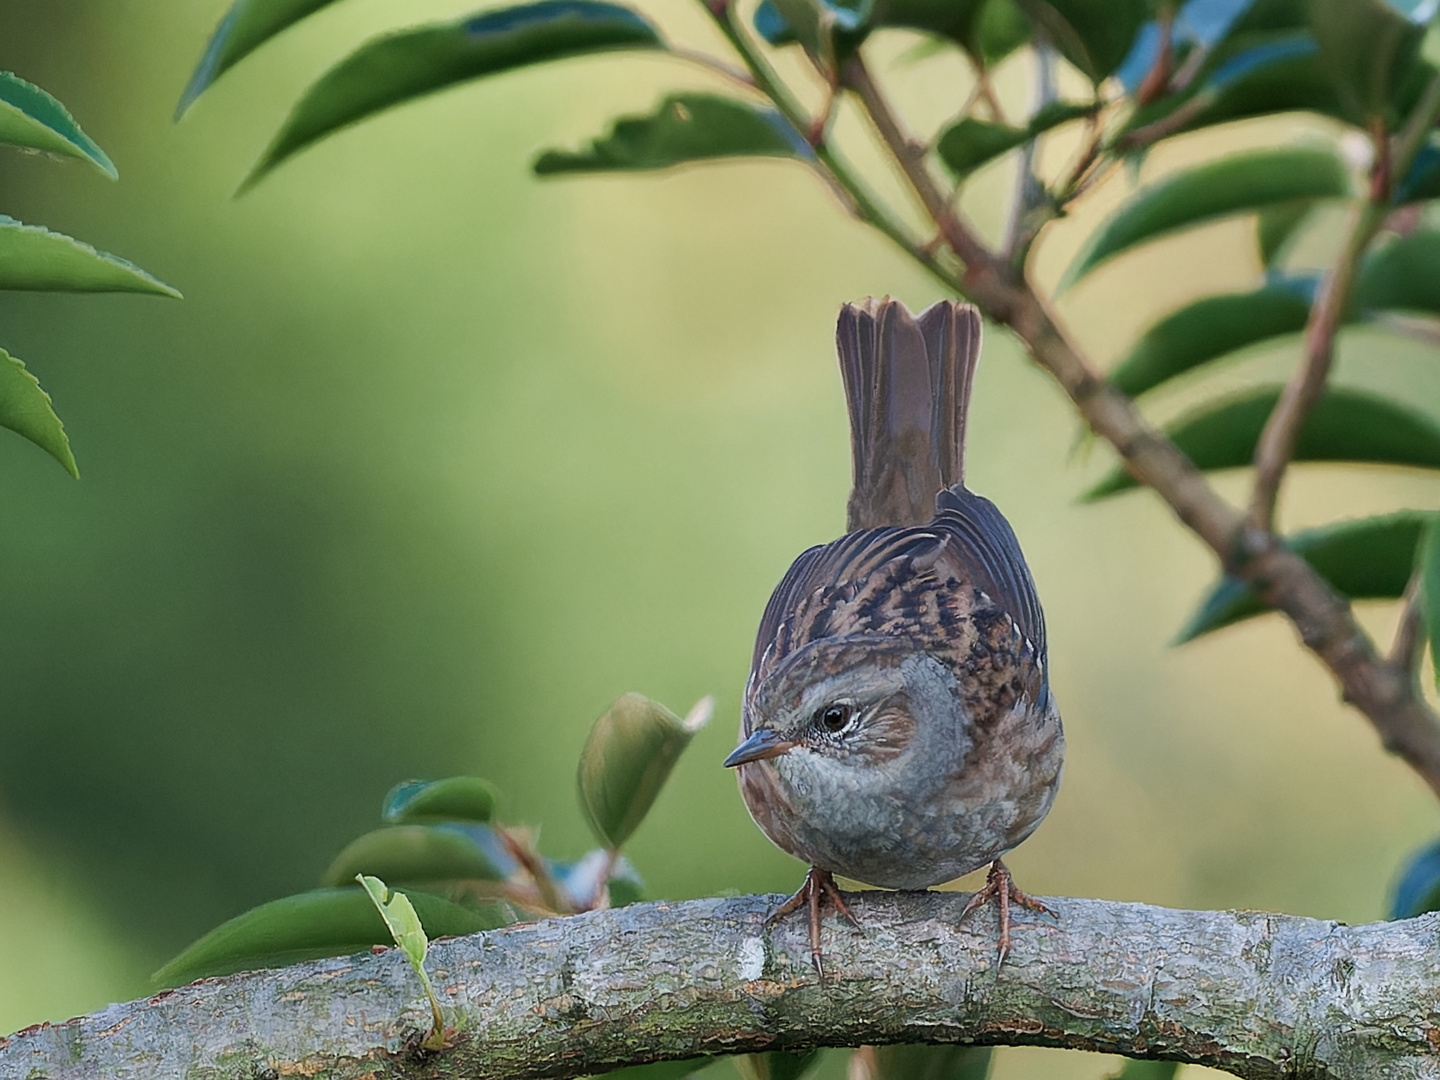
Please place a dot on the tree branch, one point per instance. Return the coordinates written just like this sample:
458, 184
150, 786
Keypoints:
1388, 697
1260, 995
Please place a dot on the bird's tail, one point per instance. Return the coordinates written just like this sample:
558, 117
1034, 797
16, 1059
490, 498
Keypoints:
907, 382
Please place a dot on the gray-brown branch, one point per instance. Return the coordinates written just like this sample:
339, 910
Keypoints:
1260, 995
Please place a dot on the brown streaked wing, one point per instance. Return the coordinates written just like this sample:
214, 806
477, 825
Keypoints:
891, 581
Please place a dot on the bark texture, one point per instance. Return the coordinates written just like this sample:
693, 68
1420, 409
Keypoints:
1258, 994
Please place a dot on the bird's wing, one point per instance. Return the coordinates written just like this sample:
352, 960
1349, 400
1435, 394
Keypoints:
992, 557
919, 582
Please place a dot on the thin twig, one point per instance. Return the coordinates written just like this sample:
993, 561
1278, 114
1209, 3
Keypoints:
1277, 442
1029, 191
852, 192
1409, 644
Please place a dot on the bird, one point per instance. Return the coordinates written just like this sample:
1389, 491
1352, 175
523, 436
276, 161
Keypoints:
897, 727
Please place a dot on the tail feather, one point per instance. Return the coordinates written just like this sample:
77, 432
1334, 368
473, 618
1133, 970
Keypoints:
907, 382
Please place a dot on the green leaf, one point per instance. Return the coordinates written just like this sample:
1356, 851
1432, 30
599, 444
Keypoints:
413, 853
1346, 425
1276, 226
970, 143
1430, 589
924, 1062
400, 919
405, 928
1404, 275
1210, 328
684, 127
1418, 889
774, 1065
627, 759
34, 258
662, 1070
1137, 1069
989, 30
1237, 184
243, 29
324, 922
1423, 181
403, 66
1368, 49
25, 409
1094, 35
825, 27
31, 118
1366, 559
421, 802
1252, 73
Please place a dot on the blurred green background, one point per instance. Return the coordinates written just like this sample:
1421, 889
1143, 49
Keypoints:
435, 460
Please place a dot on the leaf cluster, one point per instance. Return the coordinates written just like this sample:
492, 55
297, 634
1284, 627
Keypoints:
33, 258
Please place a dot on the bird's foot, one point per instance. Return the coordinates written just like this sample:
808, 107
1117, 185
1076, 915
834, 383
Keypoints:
1000, 887
819, 885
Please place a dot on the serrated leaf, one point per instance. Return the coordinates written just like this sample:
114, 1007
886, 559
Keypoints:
1276, 227
420, 802
1404, 275
324, 922
1094, 35
1418, 889
924, 1062
1241, 183
1368, 49
1346, 425
246, 26
1366, 559
1210, 328
25, 409
400, 67
413, 853
1430, 589
683, 128
970, 142
33, 258
31, 118
627, 759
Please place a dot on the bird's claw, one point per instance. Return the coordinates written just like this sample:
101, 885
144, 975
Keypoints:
1000, 887
819, 885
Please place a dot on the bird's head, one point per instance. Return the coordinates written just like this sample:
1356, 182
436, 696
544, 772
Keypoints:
860, 701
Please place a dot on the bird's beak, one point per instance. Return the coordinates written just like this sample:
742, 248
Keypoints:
763, 744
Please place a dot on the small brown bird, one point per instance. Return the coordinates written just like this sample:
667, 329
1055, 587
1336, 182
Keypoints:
898, 726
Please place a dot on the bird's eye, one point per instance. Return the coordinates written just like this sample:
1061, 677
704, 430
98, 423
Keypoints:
834, 717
